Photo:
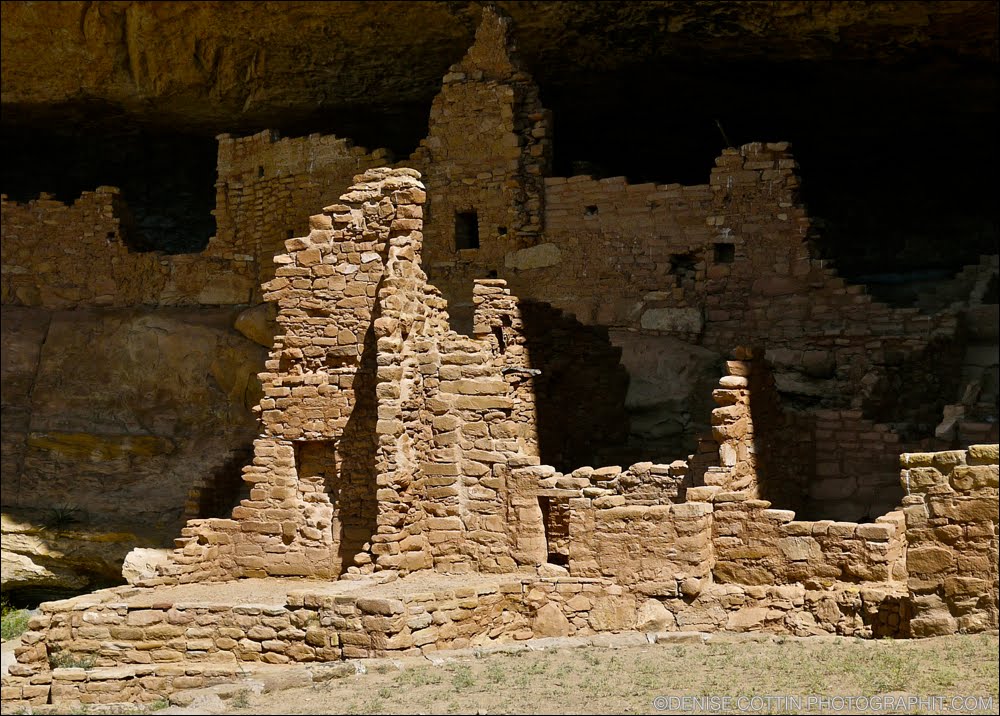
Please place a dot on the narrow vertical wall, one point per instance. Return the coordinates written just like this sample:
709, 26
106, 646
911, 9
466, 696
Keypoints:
952, 519
733, 430
312, 509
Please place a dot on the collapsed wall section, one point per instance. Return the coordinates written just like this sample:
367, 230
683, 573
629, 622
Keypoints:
312, 509
68, 256
704, 267
387, 436
58, 255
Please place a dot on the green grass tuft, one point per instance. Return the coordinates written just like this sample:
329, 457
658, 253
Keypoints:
14, 621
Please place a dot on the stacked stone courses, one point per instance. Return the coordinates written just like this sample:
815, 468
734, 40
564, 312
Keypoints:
409, 490
366, 378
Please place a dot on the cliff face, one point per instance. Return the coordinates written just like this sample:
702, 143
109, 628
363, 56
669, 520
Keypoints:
118, 425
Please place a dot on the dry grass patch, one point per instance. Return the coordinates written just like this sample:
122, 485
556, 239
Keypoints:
592, 680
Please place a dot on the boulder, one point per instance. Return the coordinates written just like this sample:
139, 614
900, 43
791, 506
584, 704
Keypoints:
142, 562
653, 616
550, 621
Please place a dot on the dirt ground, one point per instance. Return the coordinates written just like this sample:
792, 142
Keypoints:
600, 680
629, 680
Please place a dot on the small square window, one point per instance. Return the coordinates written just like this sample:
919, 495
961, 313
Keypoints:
725, 253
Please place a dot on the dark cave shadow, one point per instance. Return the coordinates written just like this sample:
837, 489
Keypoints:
357, 448
224, 489
580, 392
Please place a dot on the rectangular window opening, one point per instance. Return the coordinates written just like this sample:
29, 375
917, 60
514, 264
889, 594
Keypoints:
555, 523
725, 253
466, 230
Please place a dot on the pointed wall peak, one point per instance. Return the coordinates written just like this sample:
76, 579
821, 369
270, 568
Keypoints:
494, 52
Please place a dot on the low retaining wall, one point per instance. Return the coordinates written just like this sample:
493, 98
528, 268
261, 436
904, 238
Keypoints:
138, 650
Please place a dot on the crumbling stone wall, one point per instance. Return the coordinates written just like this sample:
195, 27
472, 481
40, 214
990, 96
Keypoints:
67, 256
716, 265
729, 264
61, 256
951, 526
319, 386
715, 531
644, 548
267, 186
733, 430
420, 423
64, 256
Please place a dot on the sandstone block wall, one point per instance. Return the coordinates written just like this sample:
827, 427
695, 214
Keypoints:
267, 187
142, 649
721, 560
61, 256
758, 545
951, 526
58, 255
856, 465
727, 264
64, 256
733, 430
387, 435
487, 151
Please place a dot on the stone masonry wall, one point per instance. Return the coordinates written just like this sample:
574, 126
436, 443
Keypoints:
718, 265
143, 650
728, 264
755, 544
267, 187
952, 517
487, 151
856, 467
60, 256
387, 436
65, 256
733, 430
319, 390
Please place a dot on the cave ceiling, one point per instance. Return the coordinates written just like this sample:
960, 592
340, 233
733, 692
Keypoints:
211, 67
